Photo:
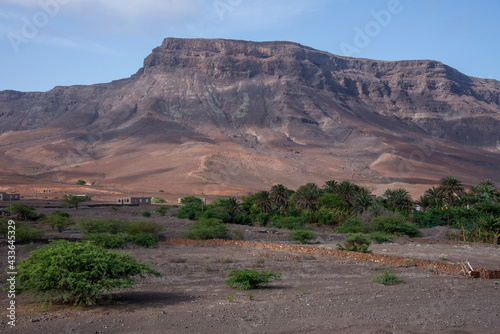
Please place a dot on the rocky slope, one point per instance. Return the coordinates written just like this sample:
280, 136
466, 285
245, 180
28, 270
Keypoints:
215, 116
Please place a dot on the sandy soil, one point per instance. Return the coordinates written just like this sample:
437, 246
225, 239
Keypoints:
317, 294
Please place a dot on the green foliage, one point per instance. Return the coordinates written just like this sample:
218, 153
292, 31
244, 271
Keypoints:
157, 200
304, 236
24, 232
262, 218
23, 211
395, 225
161, 191
77, 272
190, 210
187, 200
381, 237
207, 228
162, 210
354, 225
108, 241
58, 219
113, 208
137, 227
102, 225
387, 278
247, 279
81, 182
356, 242
74, 201
146, 214
291, 223
145, 239
242, 219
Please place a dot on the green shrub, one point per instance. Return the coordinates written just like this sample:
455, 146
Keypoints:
381, 237
161, 191
108, 241
242, 219
207, 228
136, 227
291, 223
304, 236
146, 214
76, 271
394, 225
387, 278
246, 279
58, 220
145, 239
157, 200
354, 225
23, 211
113, 208
60, 213
24, 232
81, 182
162, 210
262, 218
189, 211
101, 225
356, 242
187, 200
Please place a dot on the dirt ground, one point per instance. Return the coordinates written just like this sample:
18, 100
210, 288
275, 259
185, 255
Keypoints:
317, 294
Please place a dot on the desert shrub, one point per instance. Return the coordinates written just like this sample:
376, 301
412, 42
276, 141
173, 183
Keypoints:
381, 237
102, 225
108, 241
207, 228
81, 182
387, 278
187, 200
356, 242
161, 191
113, 208
144, 239
77, 271
146, 214
157, 200
247, 279
162, 210
189, 211
291, 223
242, 219
304, 236
394, 225
23, 211
59, 220
136, 227
73, 201
262, 218
354, 225
237, 234
25, 233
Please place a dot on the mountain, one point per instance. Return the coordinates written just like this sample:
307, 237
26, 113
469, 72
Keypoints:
219, 116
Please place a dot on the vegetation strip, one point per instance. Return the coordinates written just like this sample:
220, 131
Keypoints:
387, 259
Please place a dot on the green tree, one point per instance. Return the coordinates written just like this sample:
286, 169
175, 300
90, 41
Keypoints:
307, 196
363, 202
280, 195
399, 199
23, 211
232, 208
450, 187
58, 219
331, 186
263, 202
74, 201
77, 271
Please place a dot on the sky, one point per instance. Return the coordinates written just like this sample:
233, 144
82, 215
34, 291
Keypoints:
48, 43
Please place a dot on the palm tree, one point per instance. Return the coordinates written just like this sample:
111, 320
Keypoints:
233, 208
399, 199
424, 201
279, 194
263, 201
307, 196
330, 186
347, 190
449, 187
362, 202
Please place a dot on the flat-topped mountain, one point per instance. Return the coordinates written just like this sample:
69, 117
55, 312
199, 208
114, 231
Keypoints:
224, 116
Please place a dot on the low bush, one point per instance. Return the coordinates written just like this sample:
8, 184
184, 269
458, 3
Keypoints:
23, 211
356, 242
25, 233
59, 221
157, 200
354, 225
108, 241
242, 219
143, 239
146, 214
381, 237
394, 225
291, 223
102, 225
189, 211
247, 279
304, 236
78, 272
162, 210
207, 228
387, 278
136, 227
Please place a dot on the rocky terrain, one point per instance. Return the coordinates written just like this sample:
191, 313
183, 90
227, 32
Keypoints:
225, 117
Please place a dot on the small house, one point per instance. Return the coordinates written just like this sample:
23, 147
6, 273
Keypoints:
133, 200
9, 197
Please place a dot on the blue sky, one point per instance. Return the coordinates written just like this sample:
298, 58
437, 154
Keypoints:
47, 43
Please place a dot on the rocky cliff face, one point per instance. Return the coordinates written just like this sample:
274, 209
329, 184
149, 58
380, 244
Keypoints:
219, 115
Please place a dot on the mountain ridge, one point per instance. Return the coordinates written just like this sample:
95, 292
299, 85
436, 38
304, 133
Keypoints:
220, 115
